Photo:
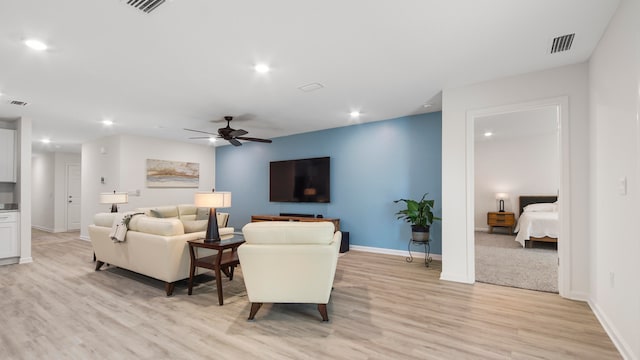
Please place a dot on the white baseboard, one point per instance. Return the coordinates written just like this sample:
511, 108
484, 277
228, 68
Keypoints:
85, 238
482, 229
9, 261
25, 260
42, 228
622, 346
404, 253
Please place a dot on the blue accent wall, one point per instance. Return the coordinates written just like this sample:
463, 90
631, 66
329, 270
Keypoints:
372, 165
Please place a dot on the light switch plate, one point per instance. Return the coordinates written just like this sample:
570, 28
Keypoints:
622, 186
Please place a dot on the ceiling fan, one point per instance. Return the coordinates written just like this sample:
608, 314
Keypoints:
229, 134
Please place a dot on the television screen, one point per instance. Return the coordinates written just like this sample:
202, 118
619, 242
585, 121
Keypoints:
302, 180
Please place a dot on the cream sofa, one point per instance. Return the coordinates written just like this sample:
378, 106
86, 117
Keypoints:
153, 246
289, 262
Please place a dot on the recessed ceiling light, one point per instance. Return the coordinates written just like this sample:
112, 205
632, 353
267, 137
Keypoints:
262, 68
488, 134
46, 141
426, 106
212, 140
354, 114
36, 44
107, 122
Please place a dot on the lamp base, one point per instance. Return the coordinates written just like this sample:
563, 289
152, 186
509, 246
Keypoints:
114, 208
212, 228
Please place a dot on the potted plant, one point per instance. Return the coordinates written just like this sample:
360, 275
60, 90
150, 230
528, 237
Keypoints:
420, 215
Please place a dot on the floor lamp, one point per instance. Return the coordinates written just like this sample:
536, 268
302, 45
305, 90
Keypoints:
212, 200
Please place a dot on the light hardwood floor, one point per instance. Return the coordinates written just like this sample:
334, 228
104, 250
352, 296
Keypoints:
381, 308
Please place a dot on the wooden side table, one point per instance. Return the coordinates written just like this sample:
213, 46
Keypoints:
221, 262
502, 219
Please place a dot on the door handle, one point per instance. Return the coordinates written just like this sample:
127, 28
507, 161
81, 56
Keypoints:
70, 201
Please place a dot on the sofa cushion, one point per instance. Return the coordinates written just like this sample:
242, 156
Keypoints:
191, 226
156, 226
187, 212
202, 214
164, 212
104, 219
287, 232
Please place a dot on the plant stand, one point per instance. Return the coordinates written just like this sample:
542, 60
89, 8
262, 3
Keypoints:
427, 251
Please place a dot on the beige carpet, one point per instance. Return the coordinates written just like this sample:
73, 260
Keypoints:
500, 260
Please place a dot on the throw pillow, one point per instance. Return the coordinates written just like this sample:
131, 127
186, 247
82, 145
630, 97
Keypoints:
202, 214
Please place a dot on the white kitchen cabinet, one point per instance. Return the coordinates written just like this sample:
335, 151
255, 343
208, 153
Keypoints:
8, 235
7, 155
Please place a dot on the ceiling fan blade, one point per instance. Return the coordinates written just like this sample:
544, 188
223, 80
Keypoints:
268, 141
235, 142
239, 132
200, 131
201, 137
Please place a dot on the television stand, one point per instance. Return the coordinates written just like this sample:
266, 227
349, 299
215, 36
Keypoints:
256, 218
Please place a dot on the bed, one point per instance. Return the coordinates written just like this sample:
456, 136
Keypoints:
538, 220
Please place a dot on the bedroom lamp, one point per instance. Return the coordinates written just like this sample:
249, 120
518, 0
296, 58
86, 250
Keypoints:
114, 199
212, 200
502, 197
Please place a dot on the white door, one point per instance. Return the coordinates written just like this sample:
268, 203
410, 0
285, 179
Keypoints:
73, 197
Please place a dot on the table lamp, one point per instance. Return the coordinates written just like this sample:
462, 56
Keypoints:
114, 199
502, 197
212, 200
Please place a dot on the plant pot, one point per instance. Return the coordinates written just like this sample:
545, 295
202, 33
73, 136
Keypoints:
419, 233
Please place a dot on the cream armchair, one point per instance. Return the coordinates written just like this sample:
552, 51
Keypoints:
289, 262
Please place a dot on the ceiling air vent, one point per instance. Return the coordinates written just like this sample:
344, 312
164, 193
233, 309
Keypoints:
562, 43
145, 5
18, 102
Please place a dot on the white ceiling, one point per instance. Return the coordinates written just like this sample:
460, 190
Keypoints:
190, 61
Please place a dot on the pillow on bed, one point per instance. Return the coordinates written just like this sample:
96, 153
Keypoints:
540, 207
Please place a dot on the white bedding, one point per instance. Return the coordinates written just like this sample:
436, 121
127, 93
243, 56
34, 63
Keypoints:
537, 224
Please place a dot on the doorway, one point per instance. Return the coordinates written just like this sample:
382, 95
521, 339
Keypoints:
561, 105
73, 197
516, 154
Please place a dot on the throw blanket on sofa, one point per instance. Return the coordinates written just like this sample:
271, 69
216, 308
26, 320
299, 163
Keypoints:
121, 225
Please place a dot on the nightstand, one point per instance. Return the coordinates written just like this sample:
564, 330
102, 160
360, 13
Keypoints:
502, 219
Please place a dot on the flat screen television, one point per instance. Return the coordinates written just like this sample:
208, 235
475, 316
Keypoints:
301, 180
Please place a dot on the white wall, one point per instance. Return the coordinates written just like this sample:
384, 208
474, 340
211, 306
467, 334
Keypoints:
614, 72
457, 238
42, 191
523, 165
121, 160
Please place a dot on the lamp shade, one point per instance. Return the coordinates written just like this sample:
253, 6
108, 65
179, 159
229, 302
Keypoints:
502, 196
218, 199
114, 198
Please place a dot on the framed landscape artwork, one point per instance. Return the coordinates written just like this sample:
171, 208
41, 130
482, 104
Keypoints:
164, 173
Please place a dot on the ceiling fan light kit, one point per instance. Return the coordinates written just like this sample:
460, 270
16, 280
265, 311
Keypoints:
233, 136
